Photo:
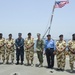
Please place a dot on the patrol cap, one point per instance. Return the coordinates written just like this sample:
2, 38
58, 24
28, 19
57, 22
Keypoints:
73, 34
48, 35
61, 35
19, 34
10, 34
29, 33
38, 34
0, 33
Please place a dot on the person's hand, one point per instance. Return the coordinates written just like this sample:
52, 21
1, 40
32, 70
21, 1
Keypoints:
18, 47
58, 49
73, 52
27, 47
9, 46
54, 52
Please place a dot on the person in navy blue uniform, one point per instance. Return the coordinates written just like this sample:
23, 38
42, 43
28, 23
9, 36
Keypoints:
19, 42
49, 51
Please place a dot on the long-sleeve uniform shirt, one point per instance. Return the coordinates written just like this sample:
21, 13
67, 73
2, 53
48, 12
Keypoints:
19, 43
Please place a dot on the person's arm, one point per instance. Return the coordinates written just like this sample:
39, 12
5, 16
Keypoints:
42, 45
71, 49
16, 43
57, 46
25, 42
3, 42
64, 46
22, 43
13, 43
69, 46
36, 44
32, 44
54, 46
45, 45
6, 43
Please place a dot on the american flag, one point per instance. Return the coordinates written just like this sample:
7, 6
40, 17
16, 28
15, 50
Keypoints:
60, 4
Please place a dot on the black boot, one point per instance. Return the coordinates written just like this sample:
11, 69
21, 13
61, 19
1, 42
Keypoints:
21, 62
17, 63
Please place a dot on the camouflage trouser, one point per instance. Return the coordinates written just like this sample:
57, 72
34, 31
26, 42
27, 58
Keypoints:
2, 54
30, 54
8, 53
72, 59
40, 56
61, 59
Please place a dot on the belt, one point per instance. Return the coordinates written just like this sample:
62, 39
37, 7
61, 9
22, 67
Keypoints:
50, 48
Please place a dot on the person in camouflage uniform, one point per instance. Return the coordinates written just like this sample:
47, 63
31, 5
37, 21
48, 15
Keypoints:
29, 48
9, 48
60, 53
2, 48
39, 49
71, 47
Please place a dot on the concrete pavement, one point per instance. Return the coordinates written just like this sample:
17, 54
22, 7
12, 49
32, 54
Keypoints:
12, 69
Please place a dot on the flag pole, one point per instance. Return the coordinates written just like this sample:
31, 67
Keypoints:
52, 17
49, 28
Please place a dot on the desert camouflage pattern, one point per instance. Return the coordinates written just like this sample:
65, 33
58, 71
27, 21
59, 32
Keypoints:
61, 55
71, 45
30, 51
2, 49
10, 49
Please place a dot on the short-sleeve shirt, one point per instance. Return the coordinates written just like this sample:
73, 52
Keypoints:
2, 41
10, 42
60, 44
71, 44
28, 42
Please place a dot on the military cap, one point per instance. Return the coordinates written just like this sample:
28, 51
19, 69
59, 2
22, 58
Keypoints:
0, 33
38, 34
29, 33
61, 35
19, 34
48, 35
10, 34
73, 34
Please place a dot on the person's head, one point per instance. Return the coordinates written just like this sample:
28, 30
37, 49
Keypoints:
10, 36
61, 37
48, 36
38, 35
19, 35
29, 35
1, 35
73, 36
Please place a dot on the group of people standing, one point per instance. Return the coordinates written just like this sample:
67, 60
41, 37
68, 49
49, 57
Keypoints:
7, 48
48, 48
59, 49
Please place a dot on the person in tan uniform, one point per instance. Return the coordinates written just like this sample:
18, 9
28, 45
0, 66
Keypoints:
29, 48
2, 48
60, 53
10, 49
71, 47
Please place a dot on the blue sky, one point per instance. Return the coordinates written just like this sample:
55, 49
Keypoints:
33, 16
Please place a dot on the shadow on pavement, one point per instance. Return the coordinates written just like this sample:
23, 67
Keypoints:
70, 72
